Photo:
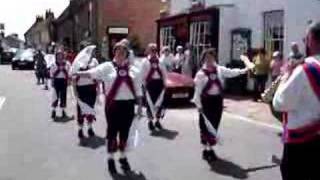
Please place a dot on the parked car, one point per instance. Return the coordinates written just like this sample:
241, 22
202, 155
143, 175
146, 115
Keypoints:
6, 57
179, 87
23, 59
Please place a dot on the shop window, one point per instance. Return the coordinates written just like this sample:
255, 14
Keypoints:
167, 38
200, 37
274, 31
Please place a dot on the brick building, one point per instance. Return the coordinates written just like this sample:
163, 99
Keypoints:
77, 24
135, 19
41, 33
106, 21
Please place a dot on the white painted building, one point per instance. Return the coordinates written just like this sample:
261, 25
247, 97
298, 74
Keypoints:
274, 24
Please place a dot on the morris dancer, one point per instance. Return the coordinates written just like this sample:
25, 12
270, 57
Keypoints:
154, 84
123, 87
299, 96
208, 98
86, 90
59, 73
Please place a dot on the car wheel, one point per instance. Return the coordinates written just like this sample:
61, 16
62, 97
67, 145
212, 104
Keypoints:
13, 67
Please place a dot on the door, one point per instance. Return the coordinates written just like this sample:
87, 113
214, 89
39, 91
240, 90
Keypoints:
116, 34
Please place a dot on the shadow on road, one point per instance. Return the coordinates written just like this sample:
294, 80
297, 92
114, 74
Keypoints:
92, 142
63, 119
130, 176
227, 168
166, 134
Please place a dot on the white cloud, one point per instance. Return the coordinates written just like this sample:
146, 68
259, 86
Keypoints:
19, 15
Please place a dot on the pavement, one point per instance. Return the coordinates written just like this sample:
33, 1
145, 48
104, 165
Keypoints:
33, 147
247, 108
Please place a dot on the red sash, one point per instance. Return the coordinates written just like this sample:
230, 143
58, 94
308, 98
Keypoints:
313, 72
61, 68
310, 131
154, 61
122, 77
213, 79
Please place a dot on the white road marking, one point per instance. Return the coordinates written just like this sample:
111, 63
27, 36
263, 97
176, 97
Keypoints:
255, 122
2, 101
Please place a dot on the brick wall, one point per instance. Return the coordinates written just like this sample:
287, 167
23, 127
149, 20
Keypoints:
142, 19
138, 15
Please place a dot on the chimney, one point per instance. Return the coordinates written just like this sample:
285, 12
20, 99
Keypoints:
165, 8
49, 14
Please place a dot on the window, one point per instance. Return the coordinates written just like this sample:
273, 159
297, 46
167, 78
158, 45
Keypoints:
274, 31
167, 38
200, 37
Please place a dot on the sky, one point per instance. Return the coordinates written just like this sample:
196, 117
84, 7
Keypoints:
19, 15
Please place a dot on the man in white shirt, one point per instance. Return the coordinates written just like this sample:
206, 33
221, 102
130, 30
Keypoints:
123, 87
154, 77
86, 90
298, 96
59, 73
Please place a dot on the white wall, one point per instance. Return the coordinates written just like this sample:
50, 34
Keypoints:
178, 6
298, 13
244, 14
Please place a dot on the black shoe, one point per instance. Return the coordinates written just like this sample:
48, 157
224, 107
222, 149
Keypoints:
125, 166
91, 132
151, 126
64, 114
205, 154
46, 88
80, 134
112, 167
158, 125
212, 156
53, 115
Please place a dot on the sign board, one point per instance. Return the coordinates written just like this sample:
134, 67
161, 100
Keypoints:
118, 30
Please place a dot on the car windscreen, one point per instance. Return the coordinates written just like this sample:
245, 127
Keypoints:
27, 55
18, 54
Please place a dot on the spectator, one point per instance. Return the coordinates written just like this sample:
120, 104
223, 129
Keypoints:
276, 65
260, 71
167, 58
179, 59
188, 64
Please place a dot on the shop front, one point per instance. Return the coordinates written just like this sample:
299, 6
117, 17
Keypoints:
200, 28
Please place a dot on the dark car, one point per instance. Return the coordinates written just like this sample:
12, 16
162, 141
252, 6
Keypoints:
6, 57
23, 59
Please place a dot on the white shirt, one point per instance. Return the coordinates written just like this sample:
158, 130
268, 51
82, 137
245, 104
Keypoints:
83, 81
179, 60
296, 97
167, 61
201, 80
131, 57
146, 67
54, 67
107, 73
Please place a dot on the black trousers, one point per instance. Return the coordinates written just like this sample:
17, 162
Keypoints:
88, 95
41, 75
212, 107
259, 85
60, 85
301, 161
119, 117
154, 88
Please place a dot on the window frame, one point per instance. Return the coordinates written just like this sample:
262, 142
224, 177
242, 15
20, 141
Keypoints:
269, 31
